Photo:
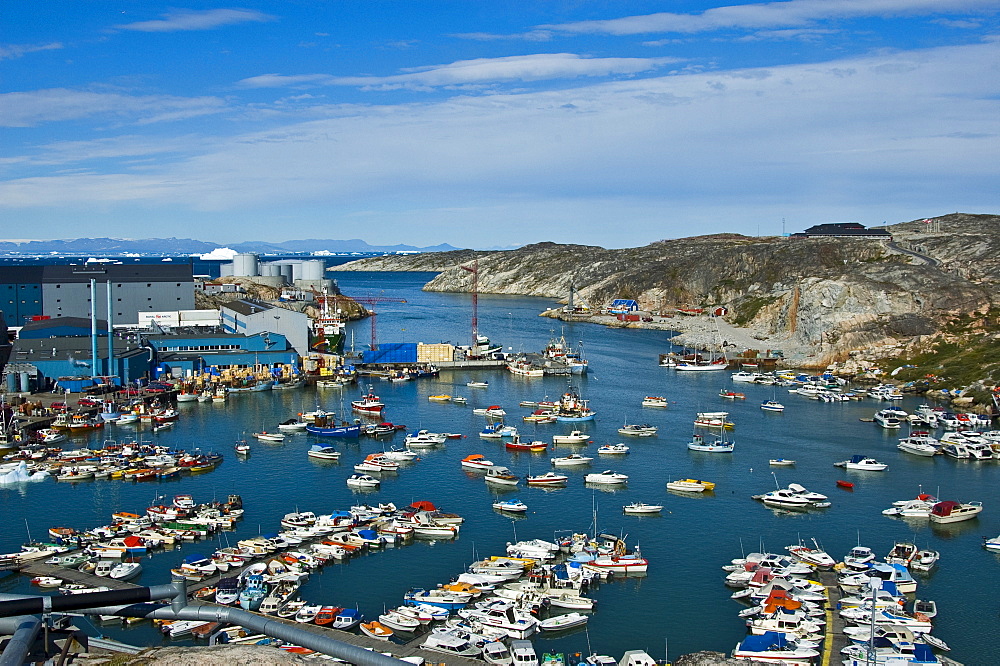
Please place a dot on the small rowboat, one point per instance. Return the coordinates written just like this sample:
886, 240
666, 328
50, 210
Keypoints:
376, 629
845, 484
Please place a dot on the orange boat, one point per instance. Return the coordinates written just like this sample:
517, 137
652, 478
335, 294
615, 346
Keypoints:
326, 615
375, 629
845, 484
517, 445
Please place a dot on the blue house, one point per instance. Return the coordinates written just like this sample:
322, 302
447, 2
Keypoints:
194, 353
623, 305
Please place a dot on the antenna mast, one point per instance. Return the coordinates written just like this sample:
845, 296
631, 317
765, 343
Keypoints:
475, 299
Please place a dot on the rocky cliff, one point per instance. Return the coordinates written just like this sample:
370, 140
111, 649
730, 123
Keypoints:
828, 295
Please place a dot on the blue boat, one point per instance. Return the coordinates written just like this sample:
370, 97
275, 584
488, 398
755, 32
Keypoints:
353, 431
438, 598
253, 593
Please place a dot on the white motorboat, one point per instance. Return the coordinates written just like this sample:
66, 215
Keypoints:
772, 406
292, 425
547, 479
920, 445
423, 438
451, 643
575, 437
323, 452
801, 491
638, 429
925, 560
781, 462
607, 477
125, 570
992, 544
953, 512
401, 455
362, 481
816, 557
863, 463
774, 647
563, 622
613, 449
398, 621
476, 461
571, 460
888, 418
270, 436
640, 508
654, 401
513, 506
860, 558
496, 653
690, 486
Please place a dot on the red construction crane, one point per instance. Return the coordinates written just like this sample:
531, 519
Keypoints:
371, 301
475, 299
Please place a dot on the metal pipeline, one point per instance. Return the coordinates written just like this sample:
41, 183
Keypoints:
131, 603
24, 630
256, 623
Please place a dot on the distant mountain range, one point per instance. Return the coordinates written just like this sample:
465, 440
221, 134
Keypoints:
176, 246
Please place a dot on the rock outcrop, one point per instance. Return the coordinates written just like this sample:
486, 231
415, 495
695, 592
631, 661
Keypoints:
829, 295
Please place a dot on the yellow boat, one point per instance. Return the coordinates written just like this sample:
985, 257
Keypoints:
439, 398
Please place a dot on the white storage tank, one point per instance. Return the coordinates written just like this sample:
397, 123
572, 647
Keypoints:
286, 270
270, 269
312, 270
246, 265
225, 270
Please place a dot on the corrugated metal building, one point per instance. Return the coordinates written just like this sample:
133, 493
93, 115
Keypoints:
250, 317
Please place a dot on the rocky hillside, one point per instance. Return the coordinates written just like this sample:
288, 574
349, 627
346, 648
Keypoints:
831, 295
429, 261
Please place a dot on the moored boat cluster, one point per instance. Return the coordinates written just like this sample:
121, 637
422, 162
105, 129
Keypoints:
791, 614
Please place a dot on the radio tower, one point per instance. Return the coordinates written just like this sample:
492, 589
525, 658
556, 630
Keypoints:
475, 299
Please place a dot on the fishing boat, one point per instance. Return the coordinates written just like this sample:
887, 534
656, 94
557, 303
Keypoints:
731, 395
270, 436
575, 437
654, 401
613, 449
242, 447
516, 444
476, 461
347, 619
319, 427
641, 508
368, 403
690, 485
815, 556
547, 479
512, 505
718, 444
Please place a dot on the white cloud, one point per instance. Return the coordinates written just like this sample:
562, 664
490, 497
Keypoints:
787, 13
10, 51
189, 19
27, 109
619, 162
530, 36
481, 71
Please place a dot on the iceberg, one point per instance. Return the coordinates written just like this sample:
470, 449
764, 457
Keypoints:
20, 475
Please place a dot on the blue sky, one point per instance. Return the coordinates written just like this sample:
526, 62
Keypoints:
492, 123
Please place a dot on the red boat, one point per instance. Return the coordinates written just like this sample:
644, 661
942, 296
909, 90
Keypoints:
846, 484
369, 404
518, 445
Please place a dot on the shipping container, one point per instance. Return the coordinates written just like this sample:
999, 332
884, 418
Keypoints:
435, 353
392, 352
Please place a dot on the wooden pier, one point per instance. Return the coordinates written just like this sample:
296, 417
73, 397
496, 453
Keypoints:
835, 639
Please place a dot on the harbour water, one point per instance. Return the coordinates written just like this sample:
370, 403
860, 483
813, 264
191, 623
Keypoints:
681, 604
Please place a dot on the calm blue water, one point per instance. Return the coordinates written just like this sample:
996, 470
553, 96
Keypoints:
682, 601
